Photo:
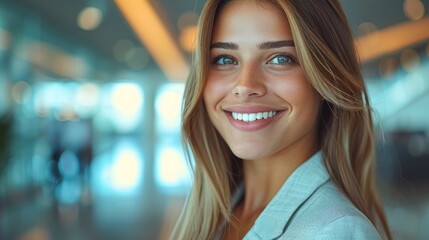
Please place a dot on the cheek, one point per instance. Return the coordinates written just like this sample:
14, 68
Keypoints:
289, 88
307, 103
306, 97
299, 94
214, 91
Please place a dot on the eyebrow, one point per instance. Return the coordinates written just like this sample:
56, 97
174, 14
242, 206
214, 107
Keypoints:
224, 45
276, 44
263, 46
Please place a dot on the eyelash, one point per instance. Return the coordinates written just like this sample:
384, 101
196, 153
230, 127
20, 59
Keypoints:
216, 60
289, 58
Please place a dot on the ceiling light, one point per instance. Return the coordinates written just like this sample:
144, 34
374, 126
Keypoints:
152, 32
55, 60
392, 39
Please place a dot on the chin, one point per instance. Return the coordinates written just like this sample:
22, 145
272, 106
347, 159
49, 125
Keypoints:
249, 152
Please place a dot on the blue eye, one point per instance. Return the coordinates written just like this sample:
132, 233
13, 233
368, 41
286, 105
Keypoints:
281, 60
224, 60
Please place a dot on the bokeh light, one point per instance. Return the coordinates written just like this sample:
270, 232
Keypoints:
137, 58
123, 106
121, 49
119, 170
36, 233
21, 92
172, 173
68, 191
188, 38
89, 18
168, 106
410, 60
387, 67
366, 28
87, 99
126, 169
5, 39
48, 97
414, 9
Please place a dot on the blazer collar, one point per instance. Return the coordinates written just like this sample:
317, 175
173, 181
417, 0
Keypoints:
300, 185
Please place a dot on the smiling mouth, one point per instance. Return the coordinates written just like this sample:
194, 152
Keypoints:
251, 117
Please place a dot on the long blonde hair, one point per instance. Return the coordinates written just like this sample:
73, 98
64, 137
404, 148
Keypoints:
326, 52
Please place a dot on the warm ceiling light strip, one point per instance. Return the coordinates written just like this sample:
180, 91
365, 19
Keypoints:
152, 32
392, 39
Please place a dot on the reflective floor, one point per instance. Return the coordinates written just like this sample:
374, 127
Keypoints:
118, 195
41, 217
151, 215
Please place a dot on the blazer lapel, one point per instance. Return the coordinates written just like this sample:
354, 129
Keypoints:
302, 183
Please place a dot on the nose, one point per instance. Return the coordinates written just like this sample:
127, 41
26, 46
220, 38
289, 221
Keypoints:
249, 84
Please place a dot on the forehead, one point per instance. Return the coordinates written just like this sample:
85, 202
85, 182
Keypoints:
251, 20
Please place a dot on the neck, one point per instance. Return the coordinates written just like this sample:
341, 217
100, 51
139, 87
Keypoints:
264, 178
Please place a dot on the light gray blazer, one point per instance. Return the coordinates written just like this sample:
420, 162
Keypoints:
310, 206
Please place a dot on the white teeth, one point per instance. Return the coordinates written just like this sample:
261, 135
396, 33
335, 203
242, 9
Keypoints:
251, 117
245, 117
265, 115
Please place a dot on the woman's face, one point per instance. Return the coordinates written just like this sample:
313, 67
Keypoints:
257, 95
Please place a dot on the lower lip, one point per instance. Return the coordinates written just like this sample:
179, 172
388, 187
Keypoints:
252, 126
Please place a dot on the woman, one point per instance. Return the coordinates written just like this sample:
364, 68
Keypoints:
278, 121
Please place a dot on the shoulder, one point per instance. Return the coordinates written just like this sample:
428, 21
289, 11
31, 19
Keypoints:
329, 214
348, 227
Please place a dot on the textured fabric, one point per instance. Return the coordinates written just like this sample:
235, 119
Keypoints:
310, 206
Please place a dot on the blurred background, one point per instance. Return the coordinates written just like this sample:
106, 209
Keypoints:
90, 96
